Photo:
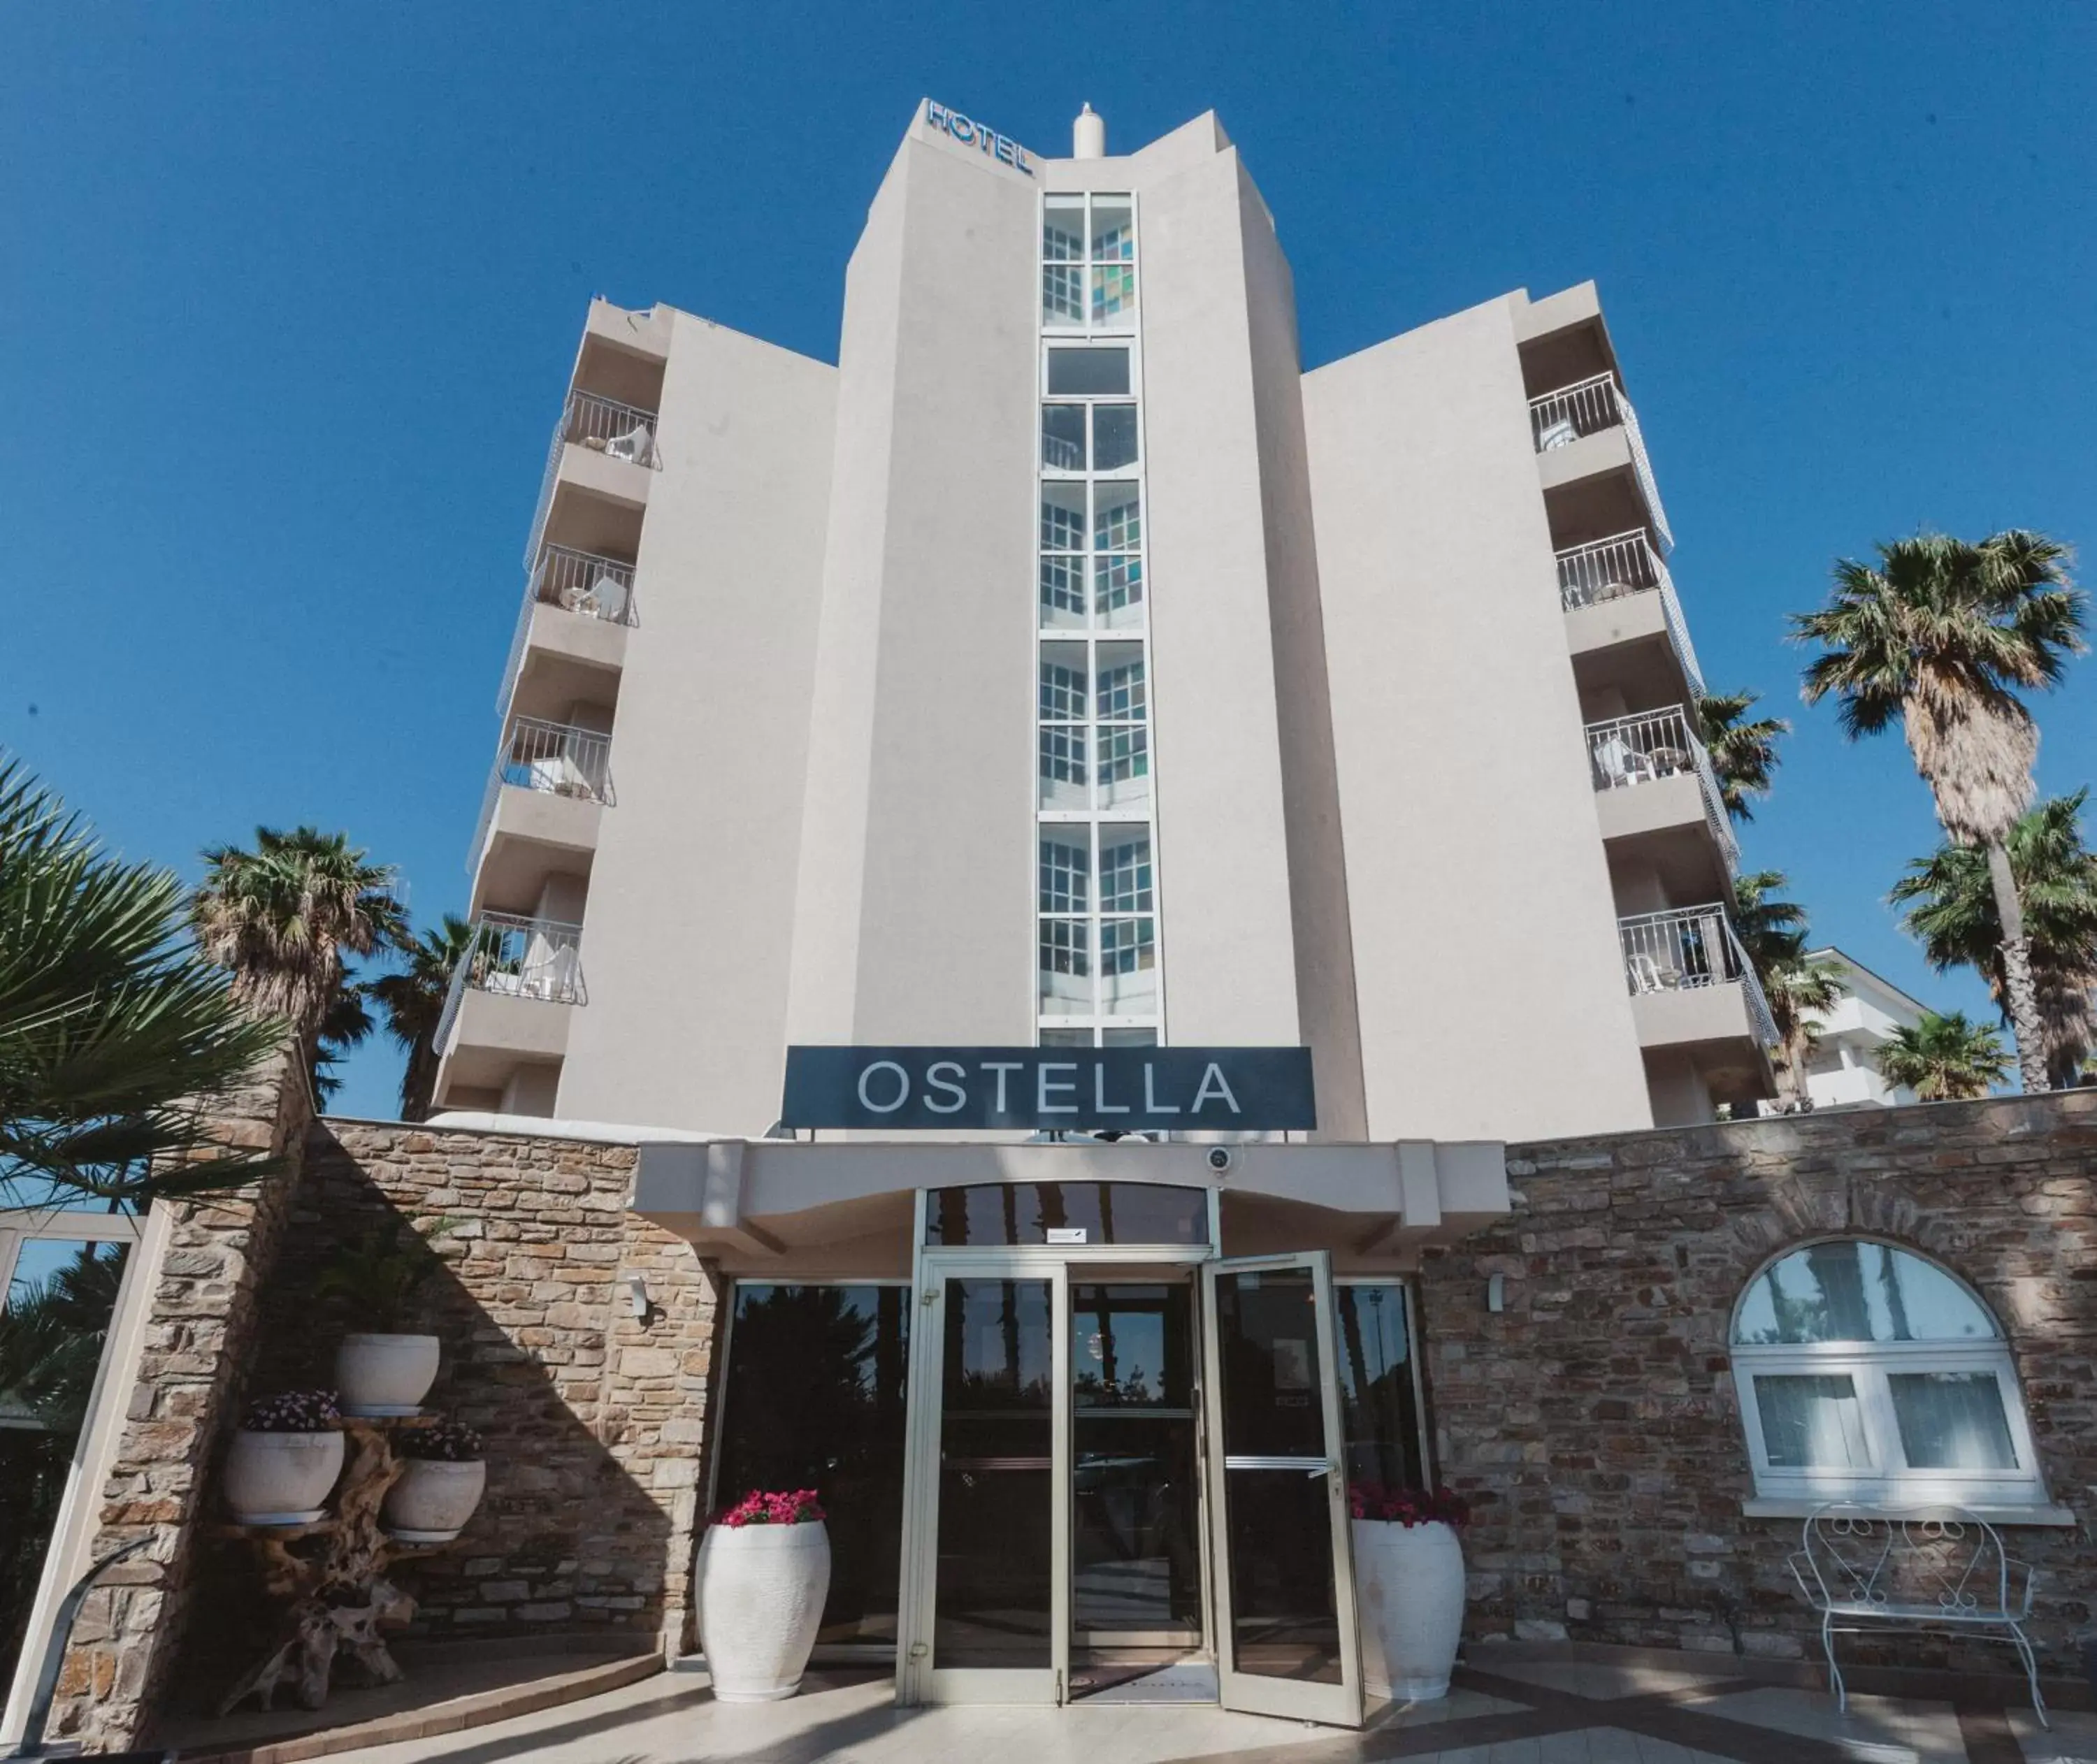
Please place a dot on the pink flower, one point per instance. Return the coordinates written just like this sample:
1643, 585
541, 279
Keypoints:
1407, 1506
803, 1507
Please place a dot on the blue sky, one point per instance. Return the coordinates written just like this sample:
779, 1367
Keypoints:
288, 294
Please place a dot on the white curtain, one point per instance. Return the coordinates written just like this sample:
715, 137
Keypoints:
1952, 1420
1811, 1421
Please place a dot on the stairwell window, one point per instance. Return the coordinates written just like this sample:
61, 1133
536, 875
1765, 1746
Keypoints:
1868, 1373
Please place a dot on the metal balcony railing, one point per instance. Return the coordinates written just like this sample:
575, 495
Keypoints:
1626, 750
521, 957
585, 582
603, 425
1684, 948
560, 759
1558, 419
1626, 564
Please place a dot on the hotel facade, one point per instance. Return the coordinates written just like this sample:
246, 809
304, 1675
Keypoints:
1152, 791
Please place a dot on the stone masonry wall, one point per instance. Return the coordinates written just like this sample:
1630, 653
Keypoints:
199, 1338
1594, 1420
593, 1417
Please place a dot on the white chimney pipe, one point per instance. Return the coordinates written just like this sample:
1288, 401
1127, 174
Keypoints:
1089, 136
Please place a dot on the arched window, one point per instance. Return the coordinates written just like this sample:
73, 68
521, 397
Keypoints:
1868, 1374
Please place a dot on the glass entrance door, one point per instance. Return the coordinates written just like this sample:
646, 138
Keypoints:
989, 1615
1285, 1638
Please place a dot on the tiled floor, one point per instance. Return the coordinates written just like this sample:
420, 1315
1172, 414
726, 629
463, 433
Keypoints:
1515, 1712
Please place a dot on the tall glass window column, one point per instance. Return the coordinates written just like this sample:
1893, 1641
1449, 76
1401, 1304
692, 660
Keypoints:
1097, 974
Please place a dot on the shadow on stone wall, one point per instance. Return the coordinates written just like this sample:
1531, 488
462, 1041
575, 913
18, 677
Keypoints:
593, 1417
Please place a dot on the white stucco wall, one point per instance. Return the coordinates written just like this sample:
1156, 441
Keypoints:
1488, 970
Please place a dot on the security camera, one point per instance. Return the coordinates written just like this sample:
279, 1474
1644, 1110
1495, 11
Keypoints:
1221, 1157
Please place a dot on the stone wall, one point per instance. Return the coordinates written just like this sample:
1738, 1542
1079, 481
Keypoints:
186, 1394
1594, 1420
592, 1417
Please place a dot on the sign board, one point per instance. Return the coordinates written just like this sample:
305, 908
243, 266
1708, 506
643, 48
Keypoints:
1084, 1089
984, 139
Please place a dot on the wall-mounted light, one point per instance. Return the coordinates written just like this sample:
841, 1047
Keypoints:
637, 1295
1496, 1292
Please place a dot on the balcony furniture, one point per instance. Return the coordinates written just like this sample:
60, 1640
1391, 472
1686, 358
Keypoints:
1560, 433
1921, 1570
1666, 761
636, 445
1649, 976
1617, 762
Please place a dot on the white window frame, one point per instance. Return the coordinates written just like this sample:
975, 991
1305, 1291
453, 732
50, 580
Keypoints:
1888, 1480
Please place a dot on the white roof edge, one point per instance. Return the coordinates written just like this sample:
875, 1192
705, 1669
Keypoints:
546, 1128
1870, 973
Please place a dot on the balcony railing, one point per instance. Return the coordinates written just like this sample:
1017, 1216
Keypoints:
1686, 949
1626, 564
603, 425
560, 759
1558, 419
583, 582
520, 957
1627, 750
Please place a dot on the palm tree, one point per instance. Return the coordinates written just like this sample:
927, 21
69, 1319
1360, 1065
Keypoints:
1940, 634
347, 1026
1951, 902
110, 1025
284, 917
1800, 988
1944, 1058
1743, 753
1770, 929
413, 1002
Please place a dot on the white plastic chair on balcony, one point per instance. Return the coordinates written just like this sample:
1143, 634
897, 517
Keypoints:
636, 445
1649, 976
1556, 434
1921, 1570
1617, 762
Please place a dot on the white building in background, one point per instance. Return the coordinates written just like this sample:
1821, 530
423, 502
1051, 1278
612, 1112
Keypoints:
1845, 1071
1066, 666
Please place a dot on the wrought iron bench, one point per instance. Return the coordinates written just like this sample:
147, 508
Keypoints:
1923, 1569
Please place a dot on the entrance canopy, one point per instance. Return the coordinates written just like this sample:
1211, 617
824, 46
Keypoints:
765, 1206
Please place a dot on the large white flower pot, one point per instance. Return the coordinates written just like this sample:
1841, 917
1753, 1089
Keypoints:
433, 1500
1409, 1598
280, 1479
761, 1590
381, 1375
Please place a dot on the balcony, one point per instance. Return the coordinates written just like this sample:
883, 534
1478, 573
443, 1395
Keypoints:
509, 1001
1690, 980
1586, 435
539, 815
602, 447
1654, 777
1623, 622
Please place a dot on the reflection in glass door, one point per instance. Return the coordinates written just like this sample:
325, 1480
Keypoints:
1286, 1643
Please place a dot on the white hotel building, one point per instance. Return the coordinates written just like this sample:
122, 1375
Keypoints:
1066, 664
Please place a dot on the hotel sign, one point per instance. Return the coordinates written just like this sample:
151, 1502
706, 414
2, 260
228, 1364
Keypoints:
974, 134
1086, 1089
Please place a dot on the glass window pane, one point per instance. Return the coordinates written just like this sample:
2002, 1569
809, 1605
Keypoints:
1113, 229
1063, 229
1062, 295
1114, 437
1852, 1291
1088, 373
1063, 437
1117, 516
1125, 869
1063, 593
1118, 592
1811, 1421
1066, 1038
1121, 696
1113, 293
1379, 1414
1063, 515
1107, 1212
1066, 872
1128, 967
994, 1555
1128, 1038
1066, 968
1952, 1420
1063, 767
814, 1399
1124, 766
56, 1318
1063, 683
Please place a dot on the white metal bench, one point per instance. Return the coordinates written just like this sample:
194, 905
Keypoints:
1923, 1569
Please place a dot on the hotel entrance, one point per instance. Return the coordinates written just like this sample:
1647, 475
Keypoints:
1124, 1473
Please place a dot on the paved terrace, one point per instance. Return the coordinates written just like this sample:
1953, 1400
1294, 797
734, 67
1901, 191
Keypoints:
1523, 1710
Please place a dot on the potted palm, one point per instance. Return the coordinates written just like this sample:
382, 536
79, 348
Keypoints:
380, 1370
1409, 1588
284, 1460
763, 1573
440, 1484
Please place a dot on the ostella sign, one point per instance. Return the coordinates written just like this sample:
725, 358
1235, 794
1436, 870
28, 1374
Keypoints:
1131, 1089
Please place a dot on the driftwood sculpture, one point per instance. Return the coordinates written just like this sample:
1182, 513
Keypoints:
332, 1576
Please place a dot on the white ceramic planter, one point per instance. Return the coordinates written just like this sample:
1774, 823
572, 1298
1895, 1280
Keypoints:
1409, 1597
761, 1591
380, 1375
280, 1479
433, 1500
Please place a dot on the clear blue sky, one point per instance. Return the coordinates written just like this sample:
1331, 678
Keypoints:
288, 294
